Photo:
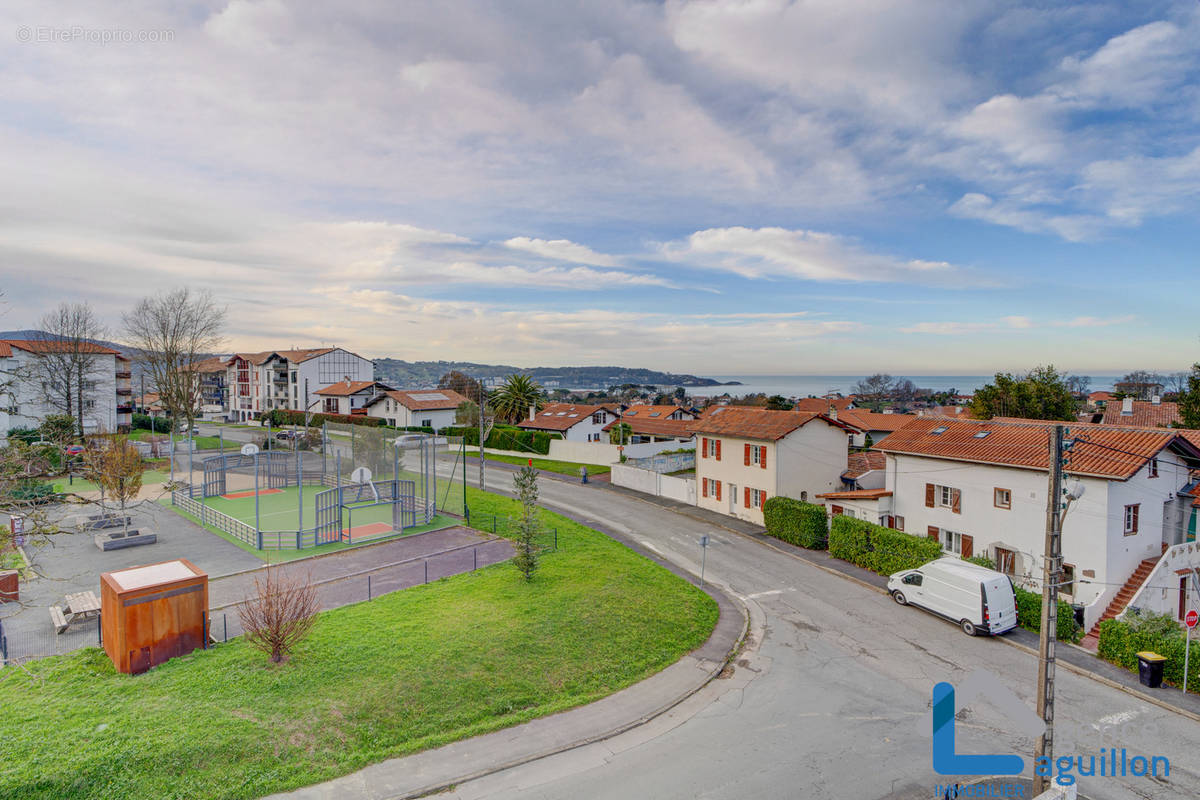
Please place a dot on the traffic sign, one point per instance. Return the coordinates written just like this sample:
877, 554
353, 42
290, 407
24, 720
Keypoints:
249, 449
1192, 618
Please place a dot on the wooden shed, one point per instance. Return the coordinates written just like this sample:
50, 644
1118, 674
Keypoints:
153, 613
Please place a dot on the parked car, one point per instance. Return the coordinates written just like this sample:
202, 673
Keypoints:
73, 449
287, 435
184, 431
979, 599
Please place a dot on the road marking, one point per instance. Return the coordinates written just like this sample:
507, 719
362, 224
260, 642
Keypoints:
757, 595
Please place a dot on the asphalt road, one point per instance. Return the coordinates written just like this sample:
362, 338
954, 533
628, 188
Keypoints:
831, 697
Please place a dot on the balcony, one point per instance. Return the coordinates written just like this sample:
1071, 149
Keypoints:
123, 392
125, 375
125, 409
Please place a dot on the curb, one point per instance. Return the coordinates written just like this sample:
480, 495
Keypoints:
1183, 712
442, 786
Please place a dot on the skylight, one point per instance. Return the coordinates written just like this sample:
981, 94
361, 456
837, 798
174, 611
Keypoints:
655, 414
982, 434
939, 430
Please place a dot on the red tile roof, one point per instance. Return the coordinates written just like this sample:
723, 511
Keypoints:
861, 462
427, 399
1105, 451
210, 365
746, 422
655, 412
872, 421
5, 349
1145, 414
347, 388
51, 346
560, 417
821, 404
856, 494
296, 356
643, 426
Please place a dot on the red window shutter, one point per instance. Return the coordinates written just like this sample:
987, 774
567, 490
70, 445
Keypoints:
762, 456
762, 496
929, 495
1135, 517
704, 488
835, 511
933, 533
717, 488
718, 449
704, 447
956, 501
747, 453
747, 494
968, 546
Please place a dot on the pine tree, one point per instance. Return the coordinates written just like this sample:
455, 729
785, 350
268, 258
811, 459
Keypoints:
526, 557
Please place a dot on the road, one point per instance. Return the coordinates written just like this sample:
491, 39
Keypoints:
829, 698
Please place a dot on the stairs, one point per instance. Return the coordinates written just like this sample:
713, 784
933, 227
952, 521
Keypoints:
1092, 640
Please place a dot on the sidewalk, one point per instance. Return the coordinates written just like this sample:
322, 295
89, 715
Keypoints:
1068, 656
439, 769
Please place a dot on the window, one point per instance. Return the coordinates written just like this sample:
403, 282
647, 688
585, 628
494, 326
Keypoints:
598, 418
938, 431
1152, 471
1006, 561
712, 488
955, 542
898, 522
426, 423
712, 448
804, 497
1131, 519
1002, 498
756, 455
943, 497
757, 498
1066, 582
912, 580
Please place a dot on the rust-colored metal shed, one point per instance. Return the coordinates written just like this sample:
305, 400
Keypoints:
152, 613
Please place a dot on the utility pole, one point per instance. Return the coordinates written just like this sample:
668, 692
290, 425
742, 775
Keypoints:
482, 400
1051, 570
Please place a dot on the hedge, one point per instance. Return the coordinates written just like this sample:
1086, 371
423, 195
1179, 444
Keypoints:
146, 422
877, 548
282, 416
1120, 643
507, 437
1029, 615
796, 522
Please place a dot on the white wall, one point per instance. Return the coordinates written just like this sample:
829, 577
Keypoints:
682, 490
604, 453
1160, 592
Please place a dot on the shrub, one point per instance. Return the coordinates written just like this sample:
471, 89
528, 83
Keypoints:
146, 422
795, 522
877, 548
1029, 615
981, 561
281, 416
26, 435
507, 437
1122, 639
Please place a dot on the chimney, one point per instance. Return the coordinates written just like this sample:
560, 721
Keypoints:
532, 411
832, 411
957, 410
1156, 400
347, 381
1127, 407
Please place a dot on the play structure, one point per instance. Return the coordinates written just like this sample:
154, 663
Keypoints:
377, 484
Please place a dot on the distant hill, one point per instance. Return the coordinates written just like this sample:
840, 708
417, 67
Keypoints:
427, 373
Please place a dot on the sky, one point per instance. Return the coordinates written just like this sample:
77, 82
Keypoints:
752, 187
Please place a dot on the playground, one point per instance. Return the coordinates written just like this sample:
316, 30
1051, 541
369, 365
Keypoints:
294, 508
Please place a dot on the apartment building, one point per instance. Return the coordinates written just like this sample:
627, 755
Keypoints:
107, 392
746, 455
289, 379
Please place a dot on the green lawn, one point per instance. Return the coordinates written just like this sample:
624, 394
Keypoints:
202, 442
550, 465
151, 477
407, 671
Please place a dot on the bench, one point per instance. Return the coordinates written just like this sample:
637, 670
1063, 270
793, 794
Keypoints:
119, 540
103, 521
58, 619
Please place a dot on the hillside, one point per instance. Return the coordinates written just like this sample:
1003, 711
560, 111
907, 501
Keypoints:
427, 373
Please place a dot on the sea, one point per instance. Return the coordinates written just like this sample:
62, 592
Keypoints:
818, 385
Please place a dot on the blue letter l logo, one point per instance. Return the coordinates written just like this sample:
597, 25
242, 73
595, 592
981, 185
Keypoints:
948, 762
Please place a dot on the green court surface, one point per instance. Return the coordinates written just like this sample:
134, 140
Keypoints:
279, 509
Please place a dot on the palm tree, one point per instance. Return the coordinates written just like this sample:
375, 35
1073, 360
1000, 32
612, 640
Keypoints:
512, 400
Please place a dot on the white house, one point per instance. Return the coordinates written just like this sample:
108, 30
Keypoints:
424, 408
107, 393
979, 488
746, 455
349, 397
260, 382
576, 423
869, 423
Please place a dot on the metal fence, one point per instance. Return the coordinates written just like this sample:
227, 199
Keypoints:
546, 538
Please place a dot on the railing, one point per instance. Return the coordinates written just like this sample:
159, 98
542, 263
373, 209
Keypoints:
546, 538
125, 375
219, 520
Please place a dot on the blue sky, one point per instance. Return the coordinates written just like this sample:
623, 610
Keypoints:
722, 188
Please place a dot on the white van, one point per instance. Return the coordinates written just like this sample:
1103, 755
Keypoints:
979, 599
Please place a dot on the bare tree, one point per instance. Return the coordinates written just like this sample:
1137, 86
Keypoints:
874, 389
1177, 382
67, 359
171, 332
118, 472
280, 613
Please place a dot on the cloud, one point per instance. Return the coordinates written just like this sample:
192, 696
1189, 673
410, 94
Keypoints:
1011, 323
806, 255
562, 250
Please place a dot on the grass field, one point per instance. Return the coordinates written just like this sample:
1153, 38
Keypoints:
151, 477
550, 465
408, 671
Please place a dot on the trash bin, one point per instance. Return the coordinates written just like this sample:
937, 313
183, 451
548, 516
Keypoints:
1150, 668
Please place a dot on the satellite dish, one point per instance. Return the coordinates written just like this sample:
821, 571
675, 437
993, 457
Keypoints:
249, 449
361, 475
